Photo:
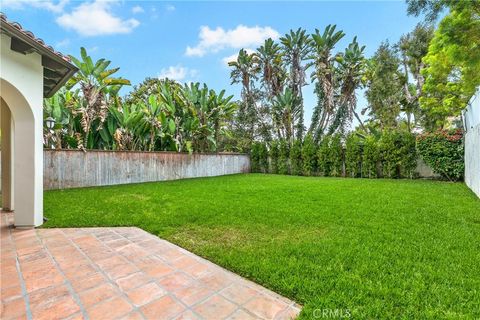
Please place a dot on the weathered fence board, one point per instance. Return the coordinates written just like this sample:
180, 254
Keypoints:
74, 168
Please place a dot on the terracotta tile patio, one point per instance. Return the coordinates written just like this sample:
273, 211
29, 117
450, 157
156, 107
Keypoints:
121, 273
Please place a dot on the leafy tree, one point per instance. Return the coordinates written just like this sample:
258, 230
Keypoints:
413, 48
309, 158
384, 87
453, 61
286, 112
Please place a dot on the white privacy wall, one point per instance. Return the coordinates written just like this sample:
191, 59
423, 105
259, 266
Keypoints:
471, 117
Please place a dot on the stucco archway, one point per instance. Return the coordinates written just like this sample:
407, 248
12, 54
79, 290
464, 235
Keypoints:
22, 157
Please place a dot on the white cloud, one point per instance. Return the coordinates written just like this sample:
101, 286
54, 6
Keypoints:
178, 73
170, 7
95, 18
63, 43
137, 9
214, 40
53, 6
234, 56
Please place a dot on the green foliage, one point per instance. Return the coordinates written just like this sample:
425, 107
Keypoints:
453, 63
336, 152
384, 86
353, 155
309, 157
158, 115
263, 157
274, 154
324, 157
255, 157
283, 157
398, 154
296, 161
443, 151
370, 158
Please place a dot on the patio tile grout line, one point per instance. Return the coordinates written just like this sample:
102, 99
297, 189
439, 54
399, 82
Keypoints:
236, 278
169, 293
100, 270
66, 282
23, 286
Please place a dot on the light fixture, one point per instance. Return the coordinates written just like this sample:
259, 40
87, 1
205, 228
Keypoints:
50, 122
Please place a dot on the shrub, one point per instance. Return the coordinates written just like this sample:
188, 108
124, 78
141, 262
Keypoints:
370, 158
283, 157
336, 152
273, 154
263, 157
323, 157
255, 157
443, 152
309, 156
398, 154
353, 155
296, 158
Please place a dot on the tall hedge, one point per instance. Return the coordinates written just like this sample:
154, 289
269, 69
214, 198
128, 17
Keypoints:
336, 152
353, 155
296, 166
274, 154
283, 157
398, 154
324, 158
370, 157
309, 158
255, 157
443, 151
263, 157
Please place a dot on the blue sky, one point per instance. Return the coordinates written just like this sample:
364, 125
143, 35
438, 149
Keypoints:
191, 41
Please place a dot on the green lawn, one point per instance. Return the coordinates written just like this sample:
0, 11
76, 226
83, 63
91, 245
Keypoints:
379, 248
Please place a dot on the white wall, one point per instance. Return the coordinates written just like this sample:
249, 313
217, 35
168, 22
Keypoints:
21, 87
471, 117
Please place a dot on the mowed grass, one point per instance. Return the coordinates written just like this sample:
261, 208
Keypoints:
381, 249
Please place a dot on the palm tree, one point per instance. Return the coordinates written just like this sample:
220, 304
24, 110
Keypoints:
296, 46
245, 71
324, 63
286, 113
273, 75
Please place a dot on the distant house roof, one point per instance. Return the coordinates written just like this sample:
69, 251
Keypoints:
57, 68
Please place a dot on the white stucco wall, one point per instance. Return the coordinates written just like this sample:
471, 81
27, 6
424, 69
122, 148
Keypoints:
22, 89
472, 144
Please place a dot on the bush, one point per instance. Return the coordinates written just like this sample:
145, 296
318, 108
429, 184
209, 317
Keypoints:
309, 156
336, 152
283, 157
370, 158
443, 152
255, 157
353, 155
263, 158
323, 157
296, 158
273, 154
398, 154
